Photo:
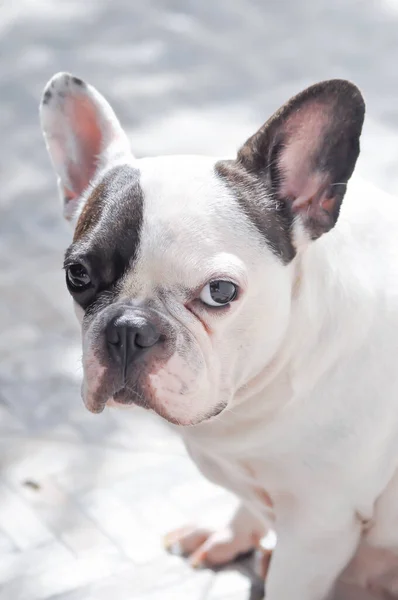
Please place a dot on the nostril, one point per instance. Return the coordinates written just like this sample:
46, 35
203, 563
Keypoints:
113, 334
147, 336
117, 341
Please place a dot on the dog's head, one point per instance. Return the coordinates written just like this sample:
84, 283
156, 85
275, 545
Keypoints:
181, 268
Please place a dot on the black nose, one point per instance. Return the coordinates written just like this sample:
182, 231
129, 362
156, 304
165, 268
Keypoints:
128, 336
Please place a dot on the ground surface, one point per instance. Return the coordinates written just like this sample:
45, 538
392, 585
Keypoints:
83, 498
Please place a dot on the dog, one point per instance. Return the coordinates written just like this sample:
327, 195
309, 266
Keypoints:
250, 307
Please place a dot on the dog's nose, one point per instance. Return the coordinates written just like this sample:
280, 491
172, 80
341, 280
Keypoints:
128, 337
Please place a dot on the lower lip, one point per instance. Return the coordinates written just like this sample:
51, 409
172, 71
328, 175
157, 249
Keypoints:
112, 403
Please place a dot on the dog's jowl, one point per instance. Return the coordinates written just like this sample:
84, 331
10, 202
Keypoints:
252, 302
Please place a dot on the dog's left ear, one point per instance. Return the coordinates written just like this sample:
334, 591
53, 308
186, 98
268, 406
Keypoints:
307, 151
82, 134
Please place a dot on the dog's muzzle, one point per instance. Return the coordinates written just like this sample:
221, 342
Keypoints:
123, 345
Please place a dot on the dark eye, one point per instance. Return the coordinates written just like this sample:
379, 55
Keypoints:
77, 277
219, 293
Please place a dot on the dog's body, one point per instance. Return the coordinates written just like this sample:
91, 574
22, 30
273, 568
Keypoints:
280, 373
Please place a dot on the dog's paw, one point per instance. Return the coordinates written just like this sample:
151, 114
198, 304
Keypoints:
204, 547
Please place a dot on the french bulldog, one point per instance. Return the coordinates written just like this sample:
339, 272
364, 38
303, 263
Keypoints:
249, 306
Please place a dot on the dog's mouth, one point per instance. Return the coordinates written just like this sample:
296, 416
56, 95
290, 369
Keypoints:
168, 388
128, 396
124, 396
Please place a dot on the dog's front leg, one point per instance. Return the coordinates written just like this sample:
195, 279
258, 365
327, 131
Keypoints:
310, 554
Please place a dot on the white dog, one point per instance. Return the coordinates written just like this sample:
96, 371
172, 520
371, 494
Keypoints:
246, 304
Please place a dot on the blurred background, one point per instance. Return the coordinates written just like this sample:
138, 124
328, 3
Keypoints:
85, 499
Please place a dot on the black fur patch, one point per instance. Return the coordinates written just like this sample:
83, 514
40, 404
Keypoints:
47, 96
107, 233
77, 81
272, 219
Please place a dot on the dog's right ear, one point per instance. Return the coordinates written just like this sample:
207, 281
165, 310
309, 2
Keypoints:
82, 135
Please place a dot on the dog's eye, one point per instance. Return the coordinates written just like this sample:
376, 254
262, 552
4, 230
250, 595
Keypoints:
219, 293
77, 277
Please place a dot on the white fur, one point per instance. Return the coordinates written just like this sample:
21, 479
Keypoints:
306, 361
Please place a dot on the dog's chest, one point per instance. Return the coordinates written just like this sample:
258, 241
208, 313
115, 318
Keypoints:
252, 476
246, 479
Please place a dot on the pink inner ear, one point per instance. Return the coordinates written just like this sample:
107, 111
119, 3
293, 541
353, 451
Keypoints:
84, 142
303, 132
